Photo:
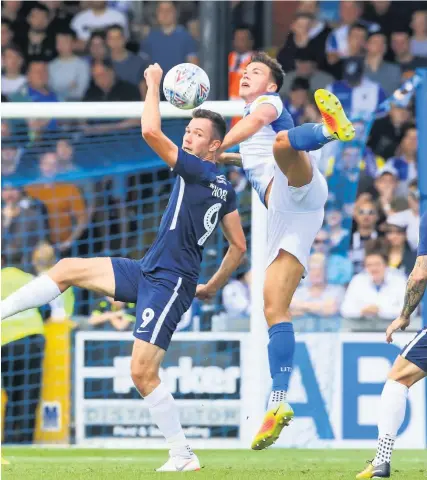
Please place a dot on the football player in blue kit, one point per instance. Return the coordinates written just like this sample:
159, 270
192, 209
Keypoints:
164, 283
409, 367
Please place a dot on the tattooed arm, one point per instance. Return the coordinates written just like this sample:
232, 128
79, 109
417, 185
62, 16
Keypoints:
415, 289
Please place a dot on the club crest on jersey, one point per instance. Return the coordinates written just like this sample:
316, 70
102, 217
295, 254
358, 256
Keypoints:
221, 179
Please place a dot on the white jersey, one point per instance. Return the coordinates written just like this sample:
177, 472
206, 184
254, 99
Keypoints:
257, 151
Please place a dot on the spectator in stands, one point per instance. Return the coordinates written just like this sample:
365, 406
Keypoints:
106, 87
419, 37
390, 16
69, 75
65, 154
298, 99
64, 202
97, 17
376, 69
375, 294
400, 254
36, 43
110, 314
315, 297
11, 14
410, 218
6, 34
170, 43
306, 67
359, 96
23, 226
337, 45
357, 38
387, 132
365, 217
10, 158
59, 17
339, 268
128, 66
97, 48
405, 161
386, 182
239, 58
236, 295
401, 46
339, 236
298, 38
37, 89
12, 79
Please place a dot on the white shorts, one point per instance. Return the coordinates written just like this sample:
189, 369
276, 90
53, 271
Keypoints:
295, 216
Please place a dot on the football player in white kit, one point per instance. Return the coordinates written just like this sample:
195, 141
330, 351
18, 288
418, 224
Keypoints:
287, 180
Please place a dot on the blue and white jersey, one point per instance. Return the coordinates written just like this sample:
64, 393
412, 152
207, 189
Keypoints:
257, 151
200, 199
360, 101
422, 246
337, 41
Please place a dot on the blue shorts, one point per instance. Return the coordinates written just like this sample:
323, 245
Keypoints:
416, 350
161, 299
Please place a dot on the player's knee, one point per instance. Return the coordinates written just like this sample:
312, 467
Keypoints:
281, 142
145, 376
275, 314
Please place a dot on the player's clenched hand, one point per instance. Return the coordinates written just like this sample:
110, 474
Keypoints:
203, 292
153, 74
399, 324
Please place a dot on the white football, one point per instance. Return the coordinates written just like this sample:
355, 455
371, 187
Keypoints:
186, 86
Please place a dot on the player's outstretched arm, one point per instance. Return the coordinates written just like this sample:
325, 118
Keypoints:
248, 126
151, 128
415, 289
233, 231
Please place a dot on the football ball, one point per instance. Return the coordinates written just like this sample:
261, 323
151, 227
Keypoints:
186, 86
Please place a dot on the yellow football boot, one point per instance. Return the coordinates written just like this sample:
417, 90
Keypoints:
334, 117
380, 471
274, 421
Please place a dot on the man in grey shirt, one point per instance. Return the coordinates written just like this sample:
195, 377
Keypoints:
69, 75
305, 67
128, 66
376, 69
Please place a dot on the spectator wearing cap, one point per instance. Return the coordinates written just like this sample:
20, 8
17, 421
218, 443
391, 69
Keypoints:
97, 17
69, 75
410, 217
337, 45
400, 254
23, 225
359, 96
169, 44
339, 268
401, 47
376, 68
36, 43
374, 296
405, 161
306, 67
365, 217
387, 132
128, 66
419, 36
385, 184
12, 79
315, 298
298, 99
236, 295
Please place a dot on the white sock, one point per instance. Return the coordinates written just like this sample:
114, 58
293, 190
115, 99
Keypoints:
36, 293
325, 132
165, 414
391, 416
276, 398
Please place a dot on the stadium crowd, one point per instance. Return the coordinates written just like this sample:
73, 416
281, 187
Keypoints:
97, 51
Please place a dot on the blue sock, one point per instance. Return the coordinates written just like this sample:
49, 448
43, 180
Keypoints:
308, 137
281, 350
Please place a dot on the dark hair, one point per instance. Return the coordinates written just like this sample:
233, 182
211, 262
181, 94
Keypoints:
300, 83
359, 26
14, 48
276, 69
38, 59
106, 62
218, 122
39, 6
244, 26
67, 31
6, 21
97, 33
377, 246
116, 26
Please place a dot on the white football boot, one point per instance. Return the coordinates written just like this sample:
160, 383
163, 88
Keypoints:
180, 463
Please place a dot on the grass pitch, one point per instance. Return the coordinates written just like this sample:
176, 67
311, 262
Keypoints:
84, 464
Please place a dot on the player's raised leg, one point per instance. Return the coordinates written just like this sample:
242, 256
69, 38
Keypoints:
281, 281
94, 274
